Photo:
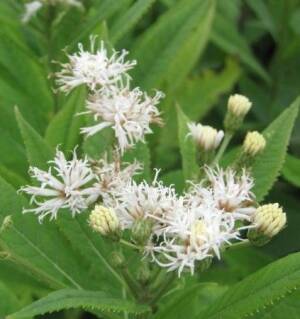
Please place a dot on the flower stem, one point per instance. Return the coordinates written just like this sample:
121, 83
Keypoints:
227, 138
244, 243
129, 244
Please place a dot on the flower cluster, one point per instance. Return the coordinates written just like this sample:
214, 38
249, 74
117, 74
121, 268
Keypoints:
111, 101
75, 184
177, 231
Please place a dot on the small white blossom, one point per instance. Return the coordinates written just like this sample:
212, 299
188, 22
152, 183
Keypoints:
147, 201
33, 7
64, 185
113, 177
192, 236
231, 193
95, 69
128, 112
206, 137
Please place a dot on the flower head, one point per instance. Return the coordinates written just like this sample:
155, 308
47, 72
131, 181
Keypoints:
230, 193
239, 105
95, 69
206, 137
254, 143
65, 185
193, 236
104, 220
146, 201
113, 177
269, 219
128, 112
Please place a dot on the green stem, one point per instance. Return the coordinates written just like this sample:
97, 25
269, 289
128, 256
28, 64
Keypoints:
128, 244
132, 284
124, 294
227, 138
163, 289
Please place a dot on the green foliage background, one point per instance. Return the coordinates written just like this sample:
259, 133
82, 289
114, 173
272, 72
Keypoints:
197, 52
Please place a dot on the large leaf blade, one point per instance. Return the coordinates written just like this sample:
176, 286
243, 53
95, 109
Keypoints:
70, 298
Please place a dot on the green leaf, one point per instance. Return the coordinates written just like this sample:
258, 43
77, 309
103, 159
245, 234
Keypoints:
268, 165
64, 128
187, 147
198, 94
191, 300
260, 290
291, 170
38, 152
69, 298
171, 46
8, 300
127, 21
227, 37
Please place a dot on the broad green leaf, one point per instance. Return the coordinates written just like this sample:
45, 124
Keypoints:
70, 298
258, 291
268, 165
171, 46
127, 21
38, 152
187, 147
103, 12
198, 94
12, 177
8, 301
64, 129
227, 37
291, 170
191, 300
92, 248
289, 305
40, 249
20, 71
262, 11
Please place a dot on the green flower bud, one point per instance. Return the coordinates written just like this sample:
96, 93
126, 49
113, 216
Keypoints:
141, 231
117, 259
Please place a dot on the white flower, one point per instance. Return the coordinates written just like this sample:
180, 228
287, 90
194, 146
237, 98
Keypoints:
31, 9
192, 236
144, 201
64, 185
128, 112
206, 137
95, 69
231, 193
113, 177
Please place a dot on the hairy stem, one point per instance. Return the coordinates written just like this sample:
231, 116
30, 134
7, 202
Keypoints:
227, 138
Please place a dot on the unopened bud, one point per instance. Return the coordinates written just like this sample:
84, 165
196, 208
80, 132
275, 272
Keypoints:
237, 108
141, 231
7, 223
254, 144
268, 220
117, 259
105, 221
206, 137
